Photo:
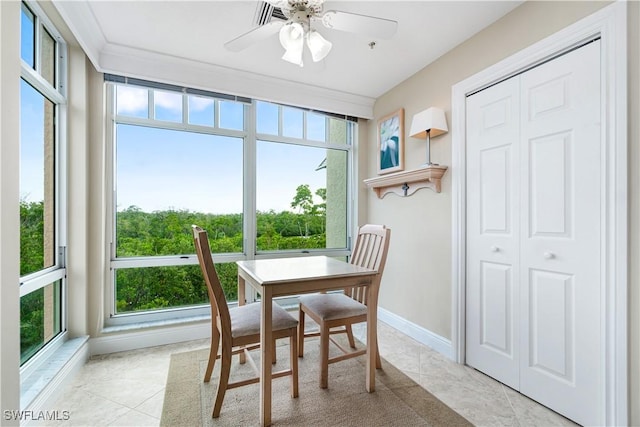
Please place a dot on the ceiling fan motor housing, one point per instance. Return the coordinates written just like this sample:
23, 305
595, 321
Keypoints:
301, 17
309, 7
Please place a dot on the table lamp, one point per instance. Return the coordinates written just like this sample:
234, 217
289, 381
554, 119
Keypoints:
428, 123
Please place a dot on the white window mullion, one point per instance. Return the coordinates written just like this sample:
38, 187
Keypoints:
151, 112
109, 304
185, 109
250, 147
41, 281
41, 85
250, 217
216, 114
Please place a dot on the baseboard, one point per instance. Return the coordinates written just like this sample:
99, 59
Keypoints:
117, 339
418, 333
52, 377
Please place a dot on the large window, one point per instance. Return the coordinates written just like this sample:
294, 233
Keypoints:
261, 178
302, 173
42, 100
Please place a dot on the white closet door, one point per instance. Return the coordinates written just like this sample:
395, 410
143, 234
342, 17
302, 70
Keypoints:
561, 219
493, 295
534, 233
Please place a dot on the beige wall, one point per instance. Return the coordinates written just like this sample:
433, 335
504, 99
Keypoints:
417, 282
98, 255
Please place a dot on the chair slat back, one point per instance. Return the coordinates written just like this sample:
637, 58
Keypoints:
370, 251
217, 299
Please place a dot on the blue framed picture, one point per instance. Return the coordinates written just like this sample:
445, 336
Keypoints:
391, 142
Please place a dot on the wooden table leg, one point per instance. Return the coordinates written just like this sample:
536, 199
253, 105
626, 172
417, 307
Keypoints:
372, 344
242, 300
242, 291
266, 348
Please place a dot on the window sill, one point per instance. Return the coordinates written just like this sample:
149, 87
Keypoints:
38, 388
137, 326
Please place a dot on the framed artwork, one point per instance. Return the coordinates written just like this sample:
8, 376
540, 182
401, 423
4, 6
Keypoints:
391, 142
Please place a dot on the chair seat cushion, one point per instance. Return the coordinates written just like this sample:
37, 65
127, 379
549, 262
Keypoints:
245, 319
333, 306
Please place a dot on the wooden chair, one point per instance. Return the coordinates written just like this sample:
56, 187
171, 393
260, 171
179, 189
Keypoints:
237, 330
344, 309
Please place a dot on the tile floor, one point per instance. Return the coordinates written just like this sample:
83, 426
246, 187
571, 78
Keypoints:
127, 388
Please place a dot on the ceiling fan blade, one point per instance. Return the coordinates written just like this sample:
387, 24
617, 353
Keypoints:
255, 35
360, 24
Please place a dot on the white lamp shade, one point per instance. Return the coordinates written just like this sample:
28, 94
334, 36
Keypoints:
291, 34
291, 38
318, 45
431, 119
294, 55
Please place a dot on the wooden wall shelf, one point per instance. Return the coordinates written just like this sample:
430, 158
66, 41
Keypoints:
406, 183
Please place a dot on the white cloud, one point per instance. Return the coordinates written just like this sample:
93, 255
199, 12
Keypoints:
170, 101
132, 100
198, 103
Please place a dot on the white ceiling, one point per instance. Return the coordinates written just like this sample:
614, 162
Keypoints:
181, 41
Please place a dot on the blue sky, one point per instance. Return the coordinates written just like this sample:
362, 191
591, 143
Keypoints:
31, 144
160, 169
31, 124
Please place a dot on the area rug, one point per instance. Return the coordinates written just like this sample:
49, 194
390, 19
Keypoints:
397, 401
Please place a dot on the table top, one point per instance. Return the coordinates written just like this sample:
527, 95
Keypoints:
284, 270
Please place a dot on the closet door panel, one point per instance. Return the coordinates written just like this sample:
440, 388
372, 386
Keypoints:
492, 230
561, 218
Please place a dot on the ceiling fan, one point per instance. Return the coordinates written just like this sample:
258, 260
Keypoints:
297, 29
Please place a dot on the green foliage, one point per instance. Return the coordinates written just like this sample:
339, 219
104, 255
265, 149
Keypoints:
169, 233
163, 233
31, 324
307, 210
31, 237
303, 199
31, 260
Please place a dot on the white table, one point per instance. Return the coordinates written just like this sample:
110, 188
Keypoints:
289, 276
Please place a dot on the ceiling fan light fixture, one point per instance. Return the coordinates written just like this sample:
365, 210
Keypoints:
318, 45
291, 34
293, 55
300, 15
292, 40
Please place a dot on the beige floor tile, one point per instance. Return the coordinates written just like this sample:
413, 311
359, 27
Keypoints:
530, 413
127, 388
153, 405
86, 409
135, 418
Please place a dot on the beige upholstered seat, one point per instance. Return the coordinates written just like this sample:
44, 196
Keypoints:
344, 309
245, 320
237, 330
334, 306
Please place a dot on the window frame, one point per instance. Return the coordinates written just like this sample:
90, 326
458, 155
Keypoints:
57, 94
250, 139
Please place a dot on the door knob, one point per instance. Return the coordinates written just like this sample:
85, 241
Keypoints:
549, 255
495, 249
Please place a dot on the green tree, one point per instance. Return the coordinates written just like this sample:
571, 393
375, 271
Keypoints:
303, 201
31, 237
